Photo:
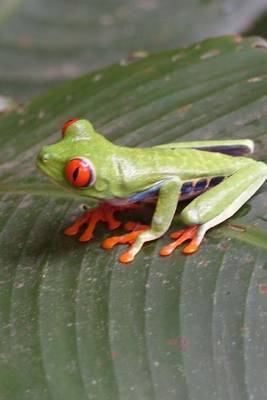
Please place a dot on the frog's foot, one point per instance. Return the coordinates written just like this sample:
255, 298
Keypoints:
103, 213
181, 236
128, 238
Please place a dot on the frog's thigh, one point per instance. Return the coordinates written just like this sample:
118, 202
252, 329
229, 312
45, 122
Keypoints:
221, 202
162, 218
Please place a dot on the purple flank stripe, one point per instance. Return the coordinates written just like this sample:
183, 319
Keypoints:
234, 150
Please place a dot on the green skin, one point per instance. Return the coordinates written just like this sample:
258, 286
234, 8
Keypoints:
122, 172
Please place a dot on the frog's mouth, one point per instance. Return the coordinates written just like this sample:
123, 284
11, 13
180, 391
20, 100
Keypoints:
51, 175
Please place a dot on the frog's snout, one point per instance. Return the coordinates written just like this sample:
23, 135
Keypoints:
44, 155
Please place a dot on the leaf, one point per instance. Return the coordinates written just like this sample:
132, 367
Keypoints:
43, 42
259, 27
74, 323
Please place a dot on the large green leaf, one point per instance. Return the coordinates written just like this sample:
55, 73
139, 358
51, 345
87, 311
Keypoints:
74, 323
45, 41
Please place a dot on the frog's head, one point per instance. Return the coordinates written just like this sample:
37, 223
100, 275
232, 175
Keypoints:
67, 161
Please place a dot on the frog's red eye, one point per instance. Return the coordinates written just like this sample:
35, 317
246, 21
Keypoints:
80, 172
67, 124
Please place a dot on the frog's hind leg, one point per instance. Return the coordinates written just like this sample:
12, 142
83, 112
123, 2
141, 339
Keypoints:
237, 147
216, 205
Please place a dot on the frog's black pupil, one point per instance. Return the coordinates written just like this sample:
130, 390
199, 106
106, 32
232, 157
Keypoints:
75, 173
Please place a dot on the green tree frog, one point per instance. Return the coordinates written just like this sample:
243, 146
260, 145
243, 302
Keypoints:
216, 175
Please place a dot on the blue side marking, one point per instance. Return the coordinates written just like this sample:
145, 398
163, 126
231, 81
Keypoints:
186, 188
216, 180
151, 192
200, 185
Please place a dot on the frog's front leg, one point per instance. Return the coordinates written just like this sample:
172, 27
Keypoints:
166, 205
103, 213
216, 205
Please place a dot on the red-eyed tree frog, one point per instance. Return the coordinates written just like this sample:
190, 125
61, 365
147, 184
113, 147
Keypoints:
215, 174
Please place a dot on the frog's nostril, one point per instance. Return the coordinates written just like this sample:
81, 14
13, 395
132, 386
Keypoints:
43, 155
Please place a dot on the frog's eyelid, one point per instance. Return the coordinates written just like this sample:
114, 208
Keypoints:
67, 124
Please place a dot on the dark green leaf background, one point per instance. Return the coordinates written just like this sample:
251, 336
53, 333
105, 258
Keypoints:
43, 42
76, 324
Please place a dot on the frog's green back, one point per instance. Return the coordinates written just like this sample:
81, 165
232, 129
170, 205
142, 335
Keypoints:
161, 162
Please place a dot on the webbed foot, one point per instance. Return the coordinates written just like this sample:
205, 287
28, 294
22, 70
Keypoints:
102, 213
128, 238
189, 233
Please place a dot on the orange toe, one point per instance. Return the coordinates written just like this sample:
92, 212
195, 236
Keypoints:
109, 242
75, 227
108, 214
192, 247
176, 235
71, 230
167, 250
182, 236
113, 225
126, 257
128, 238
85, 237
122, 239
